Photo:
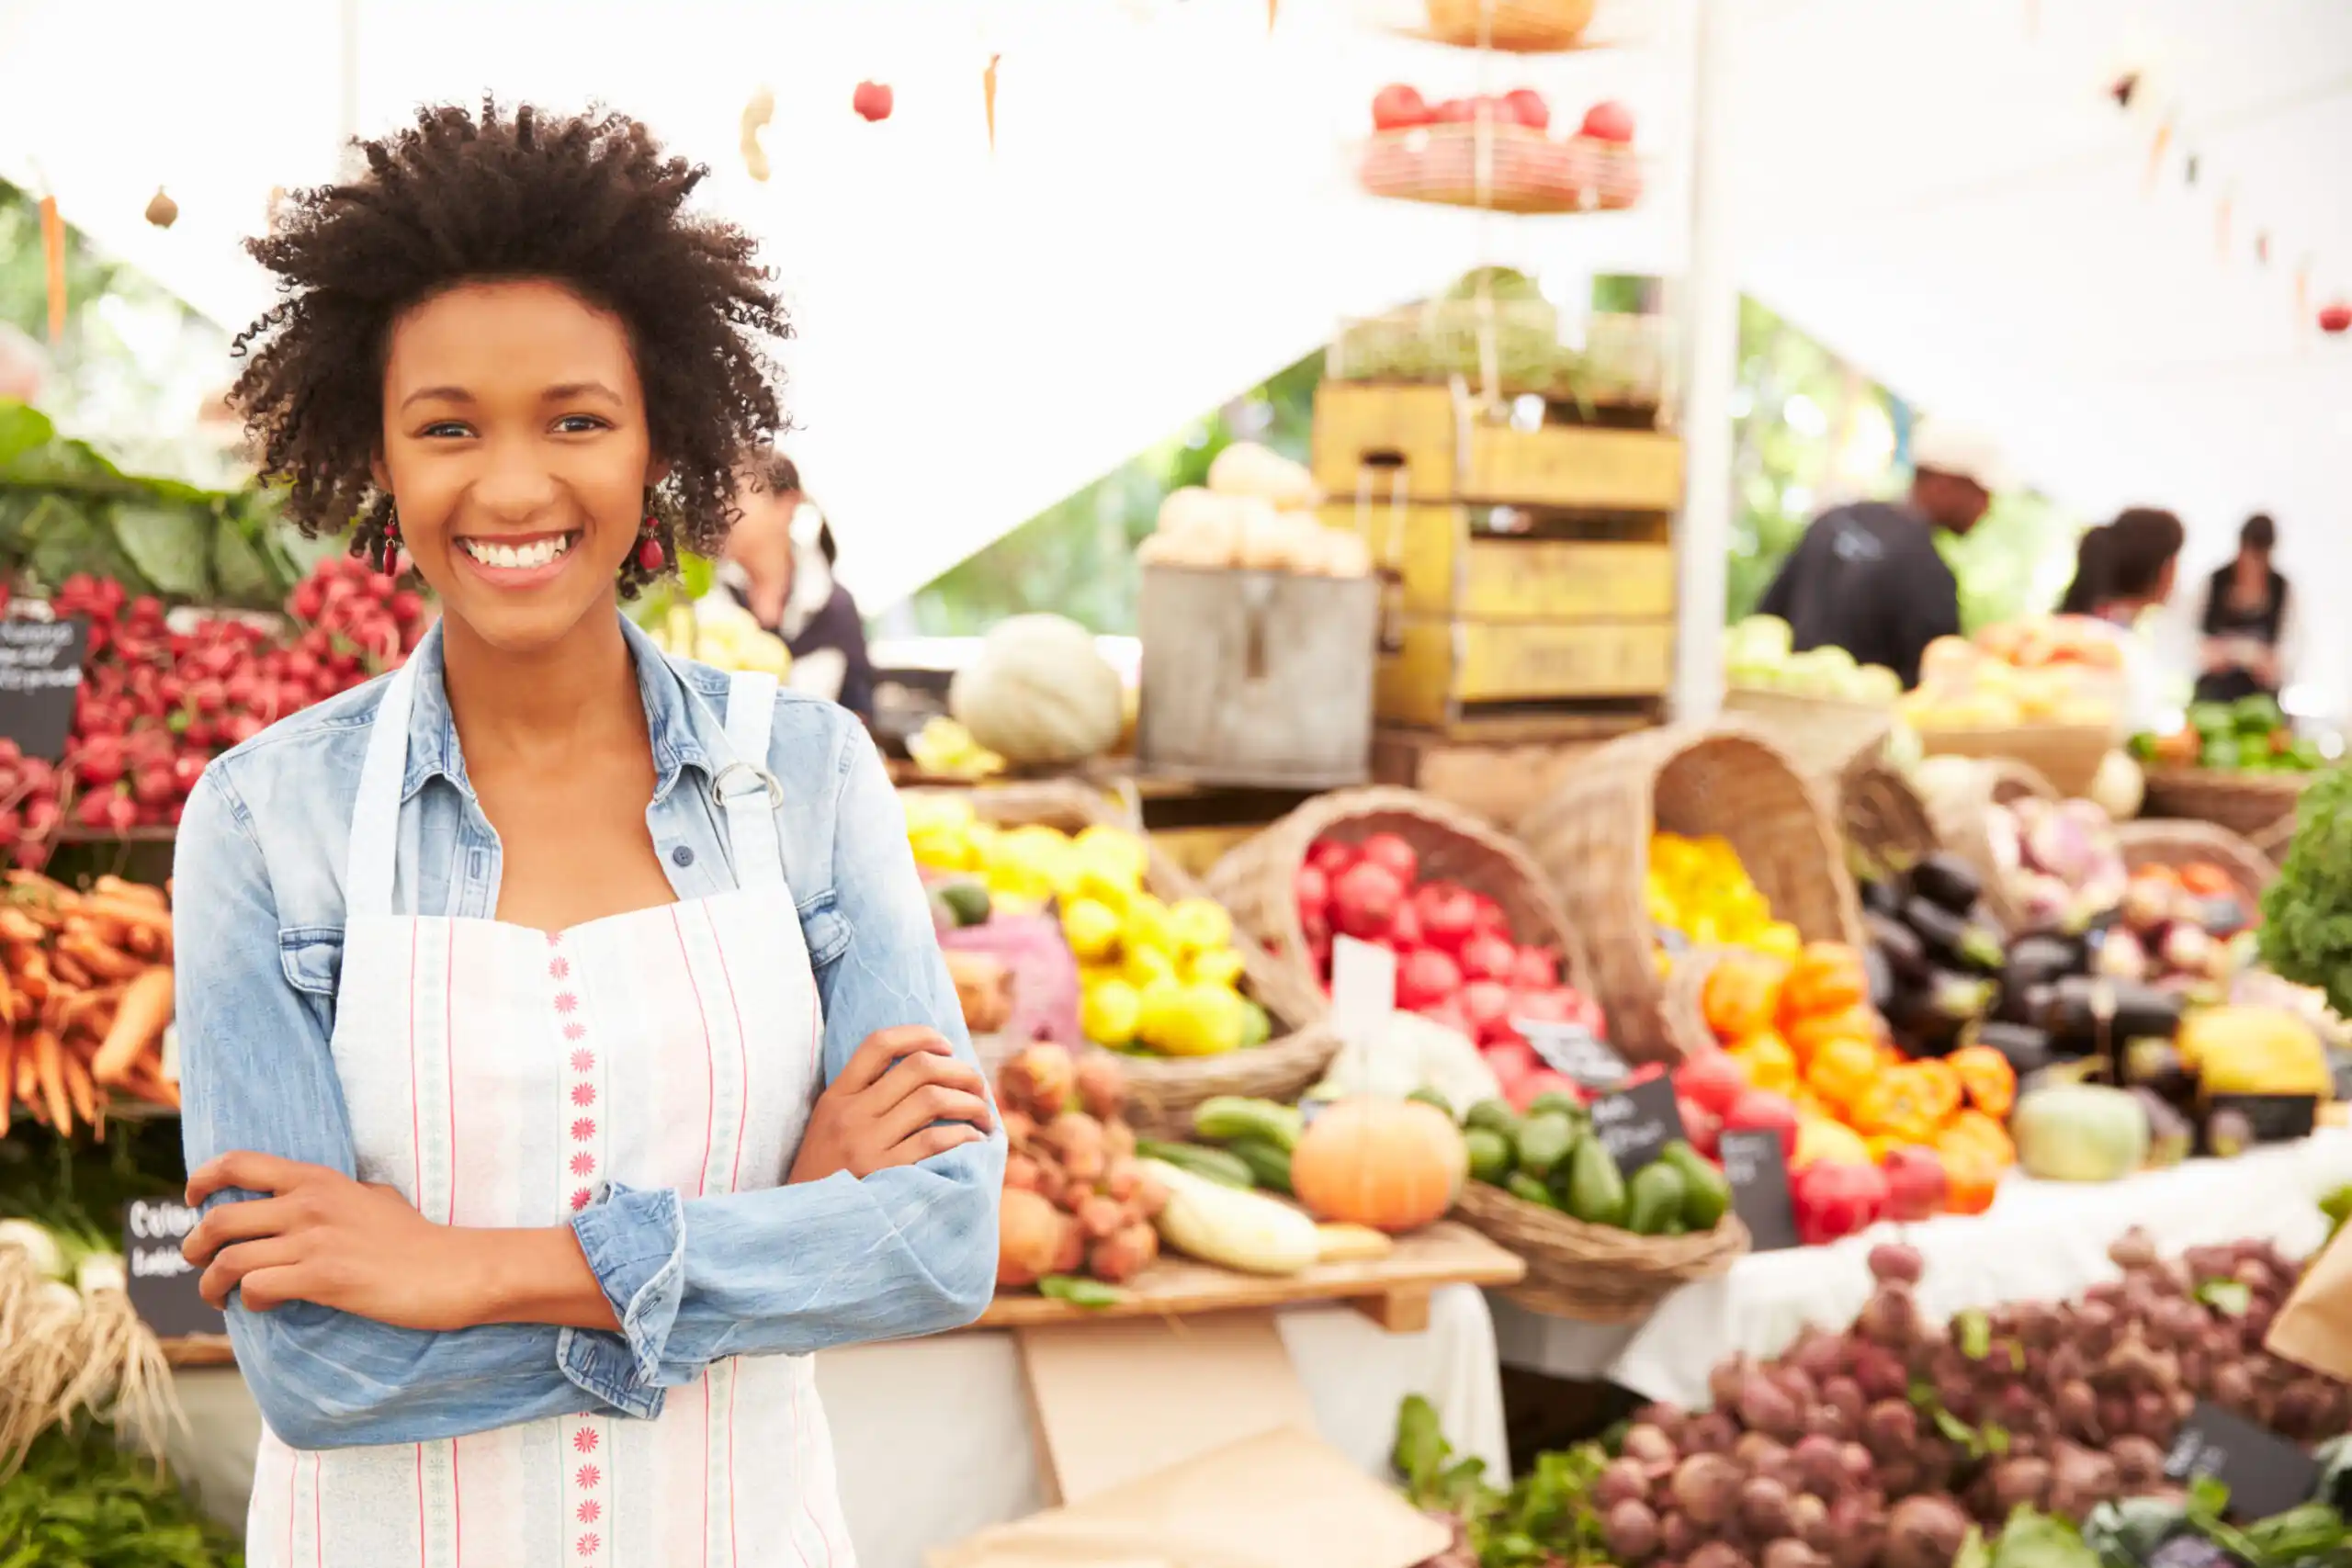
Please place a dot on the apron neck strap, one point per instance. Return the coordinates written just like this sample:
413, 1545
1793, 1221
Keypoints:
376, 818
745, 789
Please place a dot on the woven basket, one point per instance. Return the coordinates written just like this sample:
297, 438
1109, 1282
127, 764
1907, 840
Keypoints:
2067, 755
2274, 840
1594, 1273
1882, 816
1959, 826
2247, 803
1499, 168
1593, 838
2175, 845
1525, 27
1162, 1091
1257, 878
1823, 735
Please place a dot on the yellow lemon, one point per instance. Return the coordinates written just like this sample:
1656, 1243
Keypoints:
1220, 966
1109, 1013
1119, 852
1160, 1006
1146, 926
1142, 966
1778, 938
1201, 1021
1105, 885
1200, 925
1091, 929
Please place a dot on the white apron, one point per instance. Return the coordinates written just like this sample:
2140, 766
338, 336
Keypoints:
500, 1076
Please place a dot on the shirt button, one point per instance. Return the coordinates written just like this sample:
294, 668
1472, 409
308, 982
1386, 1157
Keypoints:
683, 856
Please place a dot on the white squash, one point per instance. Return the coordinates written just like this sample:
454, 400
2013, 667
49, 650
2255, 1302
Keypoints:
1247, 468
1193, 507
1039, 694
1231, 1228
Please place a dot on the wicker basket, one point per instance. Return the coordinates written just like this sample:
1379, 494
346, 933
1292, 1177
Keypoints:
1525, 27
1882, 816
1499, 168
1960, 826
1593, 838
1257, 878
2175, 845
2247, 804
1594, 1273
1162, 1091
2067, 755
1823, 735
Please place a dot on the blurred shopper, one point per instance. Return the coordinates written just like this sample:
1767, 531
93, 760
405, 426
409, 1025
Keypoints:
779, 566
2123, 570
1868, 577
2242, 632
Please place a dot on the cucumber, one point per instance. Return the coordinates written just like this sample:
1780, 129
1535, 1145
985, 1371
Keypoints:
1224, 1118
1220, 1165
1267, 1161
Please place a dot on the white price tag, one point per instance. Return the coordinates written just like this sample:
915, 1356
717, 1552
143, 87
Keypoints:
1363, 999
171, 1052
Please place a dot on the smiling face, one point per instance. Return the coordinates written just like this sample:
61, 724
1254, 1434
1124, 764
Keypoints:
515, 445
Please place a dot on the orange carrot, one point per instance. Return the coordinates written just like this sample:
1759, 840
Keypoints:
7, 1076
131, 912
103, 961
69, 971
138, 1023
16, 925
49, 1064
79, 1089
116, 887
154, 1088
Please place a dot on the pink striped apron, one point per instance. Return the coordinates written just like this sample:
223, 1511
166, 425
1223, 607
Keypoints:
502, 1075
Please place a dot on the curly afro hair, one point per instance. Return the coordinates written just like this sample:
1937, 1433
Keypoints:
590, 202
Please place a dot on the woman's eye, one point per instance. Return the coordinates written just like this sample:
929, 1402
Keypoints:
580, 423
445, 429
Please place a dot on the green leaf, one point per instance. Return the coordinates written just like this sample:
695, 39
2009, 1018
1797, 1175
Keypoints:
22, 428
244, 571
1973, 1333
168, 545
1953, 1427
2231, 1298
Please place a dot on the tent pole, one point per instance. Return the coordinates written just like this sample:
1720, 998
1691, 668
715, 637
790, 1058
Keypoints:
1711, 321
348, 164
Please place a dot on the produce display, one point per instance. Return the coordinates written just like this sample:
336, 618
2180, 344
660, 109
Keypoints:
944, 749
2307, 912
724, 635
2061, 864
1552, 1157
1457, 961
1757, 653
1901, 1442
1255, 514
2061, 670
2190, 930
85, 995
1039, 694
1496, 322
1078, 1205
82, 1498
1523, 167
2249, 735
71, 1347
1698, 895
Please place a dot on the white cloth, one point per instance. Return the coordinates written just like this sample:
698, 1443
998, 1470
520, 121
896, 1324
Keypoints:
2041, 1241
934, 1438
500, 1076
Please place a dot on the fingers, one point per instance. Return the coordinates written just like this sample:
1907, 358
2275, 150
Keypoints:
267, 1290
235, 1264
933, 1141
883, 1049
253, 1172
935, 1102
232, 1223
926, 1072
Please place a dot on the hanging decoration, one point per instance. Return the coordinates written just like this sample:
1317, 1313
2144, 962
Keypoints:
872, 101
756, 115
2262, 248
162, 210
2156, 150
2221, 222
2125, 89
1271, 7
2189, 168
53, 255
2303, 287
2335, 317
988, 97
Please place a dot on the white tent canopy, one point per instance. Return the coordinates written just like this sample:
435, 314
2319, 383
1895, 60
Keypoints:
1939, 188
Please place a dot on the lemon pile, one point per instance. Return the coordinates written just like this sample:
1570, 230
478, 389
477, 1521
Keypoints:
1699, 888
724, 636
1155, 977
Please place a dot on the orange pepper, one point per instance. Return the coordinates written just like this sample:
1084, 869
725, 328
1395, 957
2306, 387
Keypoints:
1826, 978
1807, 1034
2206, 880
1971, 1180
1767, 1060
1741, 996
1899, 1102
1820, 1140
1985, 1075
1941, 1086
1841, 1070
1972, 1133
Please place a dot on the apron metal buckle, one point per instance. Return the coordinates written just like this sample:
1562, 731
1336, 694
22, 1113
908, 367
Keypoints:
758, 775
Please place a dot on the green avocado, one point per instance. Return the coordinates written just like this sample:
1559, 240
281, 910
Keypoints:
1595, 1191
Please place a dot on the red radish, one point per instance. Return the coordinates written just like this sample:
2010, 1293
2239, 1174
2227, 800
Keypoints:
1489, 958
1405, 929
1916, 1184
1527, 106
1331, 857
1536, 967
1393, 853
1758, 1111
872, 101
1488, 1006
2335, 316
1312, 891
1701, 1126
1608, 120
1398, 108
1713, 1081
1425, 978
1449, 915
1363, 900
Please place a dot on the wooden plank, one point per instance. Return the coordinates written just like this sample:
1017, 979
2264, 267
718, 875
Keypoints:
1498, 781
1446, 1253
1574, 466
1565, 580
1431, 670
1358, 424
199, 1350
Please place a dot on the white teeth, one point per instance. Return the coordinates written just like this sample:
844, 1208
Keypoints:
537, 553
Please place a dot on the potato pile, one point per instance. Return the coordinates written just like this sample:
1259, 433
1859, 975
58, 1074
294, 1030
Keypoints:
1879, 1448
1075, 1201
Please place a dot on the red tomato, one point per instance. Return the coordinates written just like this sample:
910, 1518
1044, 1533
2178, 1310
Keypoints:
1398, 108
1608, 120
1527, 106
1405, 926
1394, 854
1489, 957
1425, 978
1756, 1111
1331, 857
1488, 1006
1511, 1060
1449, 915
1713, 1081
1537, 969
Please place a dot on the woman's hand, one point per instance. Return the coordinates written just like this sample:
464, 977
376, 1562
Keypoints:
321, 1237
903, 1097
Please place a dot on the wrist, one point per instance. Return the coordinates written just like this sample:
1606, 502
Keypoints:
540, 1276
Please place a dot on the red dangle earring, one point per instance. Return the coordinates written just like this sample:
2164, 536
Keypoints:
650, 555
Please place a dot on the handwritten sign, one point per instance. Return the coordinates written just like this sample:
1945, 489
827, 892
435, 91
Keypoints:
2275, 1118
1574, 1052
1635, 1124
41, 675
1757, 1169
163, 1283
2265, 1472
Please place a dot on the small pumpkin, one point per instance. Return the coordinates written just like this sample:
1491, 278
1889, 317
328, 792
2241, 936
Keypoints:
1395, 1165
1039, 694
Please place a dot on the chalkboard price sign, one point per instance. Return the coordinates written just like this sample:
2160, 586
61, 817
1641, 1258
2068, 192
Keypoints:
2265, 1472
163, 1283
41, 675
1757, 1167
1574, 1052
1637, 1123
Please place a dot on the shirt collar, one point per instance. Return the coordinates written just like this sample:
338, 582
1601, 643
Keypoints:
681, 721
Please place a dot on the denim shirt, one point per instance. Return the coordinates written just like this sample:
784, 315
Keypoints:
258, 931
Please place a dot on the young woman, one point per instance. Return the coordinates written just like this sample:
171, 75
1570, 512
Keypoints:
2246, 627
2122, 570
567, 1051
780, 566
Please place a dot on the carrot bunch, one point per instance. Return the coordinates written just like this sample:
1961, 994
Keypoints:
85, 994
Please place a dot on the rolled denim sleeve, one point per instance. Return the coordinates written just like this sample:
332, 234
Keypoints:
906, 1251
257, 1074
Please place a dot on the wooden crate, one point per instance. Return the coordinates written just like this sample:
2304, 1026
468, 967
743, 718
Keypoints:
1449, 450
1256, 677
1450, 674
1438, 561
1499, 780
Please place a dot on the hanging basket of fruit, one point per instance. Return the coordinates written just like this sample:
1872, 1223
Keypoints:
1482, 944
1063, 921
1691, 836
1522, 26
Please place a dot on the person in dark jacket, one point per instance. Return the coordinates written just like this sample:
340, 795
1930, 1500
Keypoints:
779, 566
1867, 578
2244, 629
